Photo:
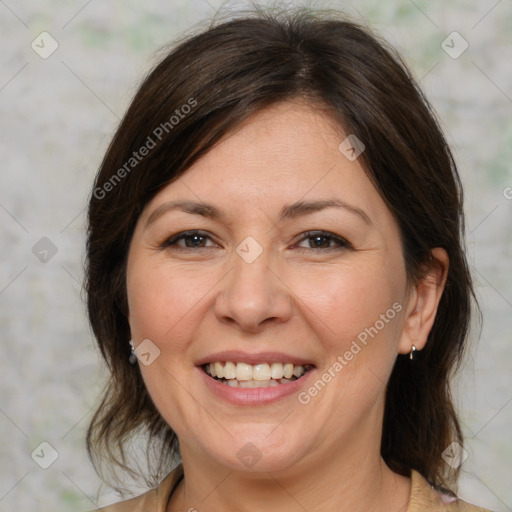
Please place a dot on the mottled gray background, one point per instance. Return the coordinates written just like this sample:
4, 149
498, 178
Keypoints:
57, 117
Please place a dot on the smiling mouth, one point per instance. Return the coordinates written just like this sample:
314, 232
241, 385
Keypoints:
263, 375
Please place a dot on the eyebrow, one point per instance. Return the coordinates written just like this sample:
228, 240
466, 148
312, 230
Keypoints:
292, 211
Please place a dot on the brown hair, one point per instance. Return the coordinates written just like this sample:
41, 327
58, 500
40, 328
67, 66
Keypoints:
224, 74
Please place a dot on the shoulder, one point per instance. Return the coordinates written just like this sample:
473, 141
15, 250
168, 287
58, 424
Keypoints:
155, 500
140, 503
425, 497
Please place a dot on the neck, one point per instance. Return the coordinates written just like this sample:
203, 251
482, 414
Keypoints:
351, 478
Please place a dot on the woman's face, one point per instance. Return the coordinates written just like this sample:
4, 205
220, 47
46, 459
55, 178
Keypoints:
297, 261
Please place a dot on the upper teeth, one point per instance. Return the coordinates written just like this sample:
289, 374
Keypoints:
263, 371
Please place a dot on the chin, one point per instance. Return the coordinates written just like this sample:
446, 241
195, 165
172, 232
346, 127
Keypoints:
259, 452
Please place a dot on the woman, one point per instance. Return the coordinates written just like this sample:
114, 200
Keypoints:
277, 279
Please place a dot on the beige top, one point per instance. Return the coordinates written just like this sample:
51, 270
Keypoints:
423, 497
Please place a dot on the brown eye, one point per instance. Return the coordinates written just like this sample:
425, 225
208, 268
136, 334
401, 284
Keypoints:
191, 240
318, 240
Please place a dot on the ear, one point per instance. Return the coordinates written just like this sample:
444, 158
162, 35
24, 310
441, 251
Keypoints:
423, 302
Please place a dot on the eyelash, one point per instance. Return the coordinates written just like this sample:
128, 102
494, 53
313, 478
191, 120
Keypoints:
171, 243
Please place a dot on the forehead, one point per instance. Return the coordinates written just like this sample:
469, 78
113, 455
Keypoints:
286, 153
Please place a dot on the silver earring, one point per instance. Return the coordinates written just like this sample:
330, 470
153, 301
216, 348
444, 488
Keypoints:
133, 357
411, 353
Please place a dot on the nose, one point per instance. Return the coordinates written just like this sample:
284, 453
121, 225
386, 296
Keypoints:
253, 295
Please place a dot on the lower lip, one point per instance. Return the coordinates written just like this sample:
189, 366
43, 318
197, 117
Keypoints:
254, 396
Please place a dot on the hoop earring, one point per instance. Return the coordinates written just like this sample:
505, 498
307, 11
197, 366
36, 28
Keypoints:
412, 353
133, 358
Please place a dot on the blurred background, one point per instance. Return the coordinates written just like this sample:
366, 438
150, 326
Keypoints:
68, 71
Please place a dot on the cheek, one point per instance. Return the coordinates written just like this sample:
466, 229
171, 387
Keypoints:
357, 316
163, 299
349, 300
164, 302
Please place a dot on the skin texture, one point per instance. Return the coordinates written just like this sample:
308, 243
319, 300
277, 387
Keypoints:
294, 298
